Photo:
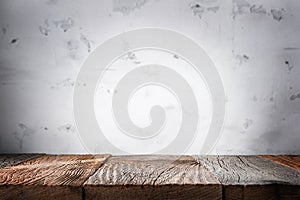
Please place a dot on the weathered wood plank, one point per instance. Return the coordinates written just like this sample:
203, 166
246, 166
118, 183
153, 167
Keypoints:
56, 171
7, 160
292, 161
71, 170
251, 177
151, 170
272, 191
289, 192
249, 170
152, 177
132, 192
149, 177
39, 192
250, 192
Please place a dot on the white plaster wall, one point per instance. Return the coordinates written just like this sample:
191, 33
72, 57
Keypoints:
254, 44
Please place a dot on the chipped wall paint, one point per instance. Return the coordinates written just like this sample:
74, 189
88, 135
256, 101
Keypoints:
254, 44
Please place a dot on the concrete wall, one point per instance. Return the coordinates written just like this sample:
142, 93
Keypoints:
254, 44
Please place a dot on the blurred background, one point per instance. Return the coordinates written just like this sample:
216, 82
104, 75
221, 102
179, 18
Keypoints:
254, 45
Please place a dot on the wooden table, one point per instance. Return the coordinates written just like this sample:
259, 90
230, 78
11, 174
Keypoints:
37, 176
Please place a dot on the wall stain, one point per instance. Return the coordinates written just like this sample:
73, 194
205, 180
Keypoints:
199, 7
258, 9
66, 128
295, 96
14, 40
67, 83
64, 24
247, 123
242, 58
45, 29
87, 42
240, 7
291, 48
22, 132
277, 14
73, 46
132, 57
127, 6
290, 67
4, 30
176, 56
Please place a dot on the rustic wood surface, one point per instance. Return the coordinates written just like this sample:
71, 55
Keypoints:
205, 192
54, 171
137, 177
149, 177
7, 160
151, 170
252, 177
292, 161
33, 192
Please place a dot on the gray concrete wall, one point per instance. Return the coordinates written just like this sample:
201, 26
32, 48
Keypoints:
254, 45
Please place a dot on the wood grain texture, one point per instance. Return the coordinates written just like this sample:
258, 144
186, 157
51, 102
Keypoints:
251, 177
292, 161
7, 160
71, 170
39, 192
250, 192
149, 177
152, 177
285, 192
132, 192
55, 171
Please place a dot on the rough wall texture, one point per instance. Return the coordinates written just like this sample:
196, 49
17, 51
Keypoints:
254, 44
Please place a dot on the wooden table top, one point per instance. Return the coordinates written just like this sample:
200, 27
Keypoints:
41, 176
